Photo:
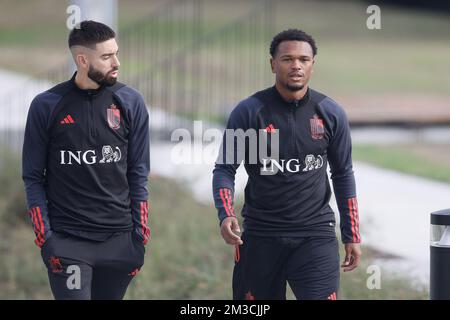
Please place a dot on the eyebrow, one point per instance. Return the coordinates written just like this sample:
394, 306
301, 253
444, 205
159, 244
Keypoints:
293, 56
109, 54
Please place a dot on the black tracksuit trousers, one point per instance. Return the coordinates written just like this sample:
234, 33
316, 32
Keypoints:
84, 269
263, 266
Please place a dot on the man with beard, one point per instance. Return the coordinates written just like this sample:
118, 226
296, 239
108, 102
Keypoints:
85, 167
289, 227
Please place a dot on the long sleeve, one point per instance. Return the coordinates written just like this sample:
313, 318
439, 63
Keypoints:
34, 160
139, 168
232, 153
340, 159
223, 188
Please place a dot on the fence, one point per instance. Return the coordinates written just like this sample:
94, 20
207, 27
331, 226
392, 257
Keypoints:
185, 68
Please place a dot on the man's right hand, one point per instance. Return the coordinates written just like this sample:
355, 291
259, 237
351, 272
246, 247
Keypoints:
229, 230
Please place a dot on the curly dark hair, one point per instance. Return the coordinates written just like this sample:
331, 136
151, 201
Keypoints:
89, 33
289, 35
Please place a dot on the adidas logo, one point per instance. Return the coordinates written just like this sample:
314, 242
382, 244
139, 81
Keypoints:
67, 120
270, 129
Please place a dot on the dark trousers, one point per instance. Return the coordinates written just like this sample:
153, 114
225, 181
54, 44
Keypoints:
264, 265
85, 269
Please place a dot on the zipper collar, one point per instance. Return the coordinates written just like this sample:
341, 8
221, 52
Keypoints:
292, 104
87, 92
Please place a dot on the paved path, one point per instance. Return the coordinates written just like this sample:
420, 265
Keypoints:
395, 214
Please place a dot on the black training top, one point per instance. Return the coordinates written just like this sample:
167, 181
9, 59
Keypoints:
288, 194
86, 161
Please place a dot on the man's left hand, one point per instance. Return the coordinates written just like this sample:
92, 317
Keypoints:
352, 256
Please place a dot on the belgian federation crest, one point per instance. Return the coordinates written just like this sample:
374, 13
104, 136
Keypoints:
113, 115
317, 128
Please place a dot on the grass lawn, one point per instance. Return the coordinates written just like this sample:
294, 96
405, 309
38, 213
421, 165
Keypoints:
429, 161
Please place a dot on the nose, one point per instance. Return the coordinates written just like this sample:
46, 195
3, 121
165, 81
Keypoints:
115, 62
296, 65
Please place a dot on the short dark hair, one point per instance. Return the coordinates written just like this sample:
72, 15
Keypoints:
89, 33
291, 35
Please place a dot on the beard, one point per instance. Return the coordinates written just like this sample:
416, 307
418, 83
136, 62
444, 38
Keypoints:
100, 78
294, 88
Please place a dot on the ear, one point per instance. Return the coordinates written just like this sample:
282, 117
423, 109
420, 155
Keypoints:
272, 65
82, 61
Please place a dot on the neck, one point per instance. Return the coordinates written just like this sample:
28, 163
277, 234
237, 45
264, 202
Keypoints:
289, 95
84, 82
